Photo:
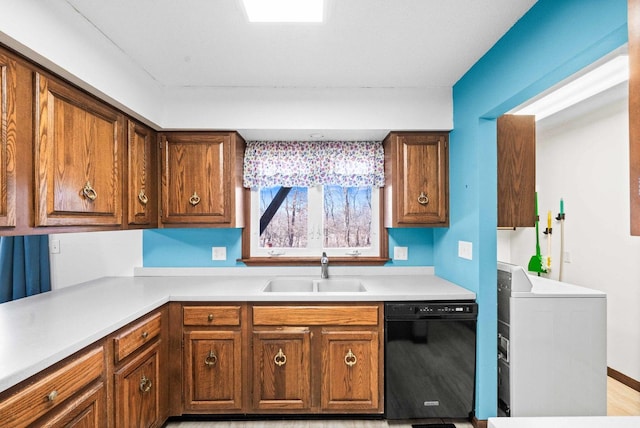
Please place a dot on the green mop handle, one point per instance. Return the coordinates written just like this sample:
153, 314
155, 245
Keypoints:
537, 221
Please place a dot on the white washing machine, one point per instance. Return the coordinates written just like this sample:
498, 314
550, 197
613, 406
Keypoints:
552, 346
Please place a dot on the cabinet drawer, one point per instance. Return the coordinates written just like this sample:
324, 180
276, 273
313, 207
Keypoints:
315, 315
133, 338
211, 315
36, 399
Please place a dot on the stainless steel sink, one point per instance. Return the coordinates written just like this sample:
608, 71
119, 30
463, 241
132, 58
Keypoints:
339, 285
289, 285
309, 285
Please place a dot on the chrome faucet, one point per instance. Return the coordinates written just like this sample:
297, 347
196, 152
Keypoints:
324, 266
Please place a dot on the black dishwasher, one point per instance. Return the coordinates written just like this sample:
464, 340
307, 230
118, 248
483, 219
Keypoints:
430, 359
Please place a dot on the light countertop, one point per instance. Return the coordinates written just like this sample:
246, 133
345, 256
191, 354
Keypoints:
38, 331
567, 422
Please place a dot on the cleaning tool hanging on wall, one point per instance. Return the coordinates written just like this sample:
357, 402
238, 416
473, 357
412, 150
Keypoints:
536, 264
548, 231
561, 219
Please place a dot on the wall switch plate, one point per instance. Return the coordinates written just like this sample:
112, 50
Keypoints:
465, 250
567, 257
54, 246
218, 253
400, 253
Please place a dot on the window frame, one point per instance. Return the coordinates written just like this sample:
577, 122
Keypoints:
288, 260
315, 247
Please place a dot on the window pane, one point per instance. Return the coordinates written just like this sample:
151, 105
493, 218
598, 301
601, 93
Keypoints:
288, 227
347, 217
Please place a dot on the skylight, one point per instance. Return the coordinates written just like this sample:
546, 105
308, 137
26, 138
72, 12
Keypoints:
284, 10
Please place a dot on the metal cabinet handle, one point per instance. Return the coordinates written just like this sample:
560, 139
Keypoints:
145, 334
350, 359
52, 395
280, 359
210, 317
142, 197
194, 199
88, 192
145, 384
211, 359
423, 199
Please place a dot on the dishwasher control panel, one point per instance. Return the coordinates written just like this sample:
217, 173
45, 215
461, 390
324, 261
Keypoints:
412, 310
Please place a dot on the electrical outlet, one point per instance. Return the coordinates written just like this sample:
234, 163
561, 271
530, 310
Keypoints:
218, 253
567, 257
400, 253
465, 250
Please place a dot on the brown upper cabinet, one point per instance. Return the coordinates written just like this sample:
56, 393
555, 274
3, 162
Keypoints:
516, 170
416, 179
8, 147
201, 178
78, 158
142, 180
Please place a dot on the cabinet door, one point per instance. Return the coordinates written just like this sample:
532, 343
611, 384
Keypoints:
196, 178
88, 410
78, 158
8, 145
142, 186
350, 370
516, 170
138, 392
281, 369
213, 370
417, 179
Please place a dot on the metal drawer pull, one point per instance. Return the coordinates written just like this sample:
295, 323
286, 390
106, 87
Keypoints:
52, 395
350, 359
194, 199
88, 192
280, 359
210, 317
142, 197
145, 334
211, 359
423, 199
145, 384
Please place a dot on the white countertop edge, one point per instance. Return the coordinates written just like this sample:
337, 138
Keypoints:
566, 422
283, 271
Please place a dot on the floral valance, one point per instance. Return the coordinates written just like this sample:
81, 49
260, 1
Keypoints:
309, 163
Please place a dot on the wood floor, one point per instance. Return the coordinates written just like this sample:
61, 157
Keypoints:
621, 401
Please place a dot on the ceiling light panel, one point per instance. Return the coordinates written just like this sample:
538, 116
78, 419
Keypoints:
598, 80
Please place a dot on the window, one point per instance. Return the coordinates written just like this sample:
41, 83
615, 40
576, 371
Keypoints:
314, 197
301, 221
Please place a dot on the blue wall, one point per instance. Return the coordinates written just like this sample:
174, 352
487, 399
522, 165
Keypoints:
192, 247
552, 41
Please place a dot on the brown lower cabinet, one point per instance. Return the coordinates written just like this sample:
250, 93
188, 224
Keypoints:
67, 394
140, 383
317, 358
85, 411
282, 369
137, 388
226, 358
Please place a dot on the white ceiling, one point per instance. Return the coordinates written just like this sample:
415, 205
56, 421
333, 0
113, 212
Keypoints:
361, 44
